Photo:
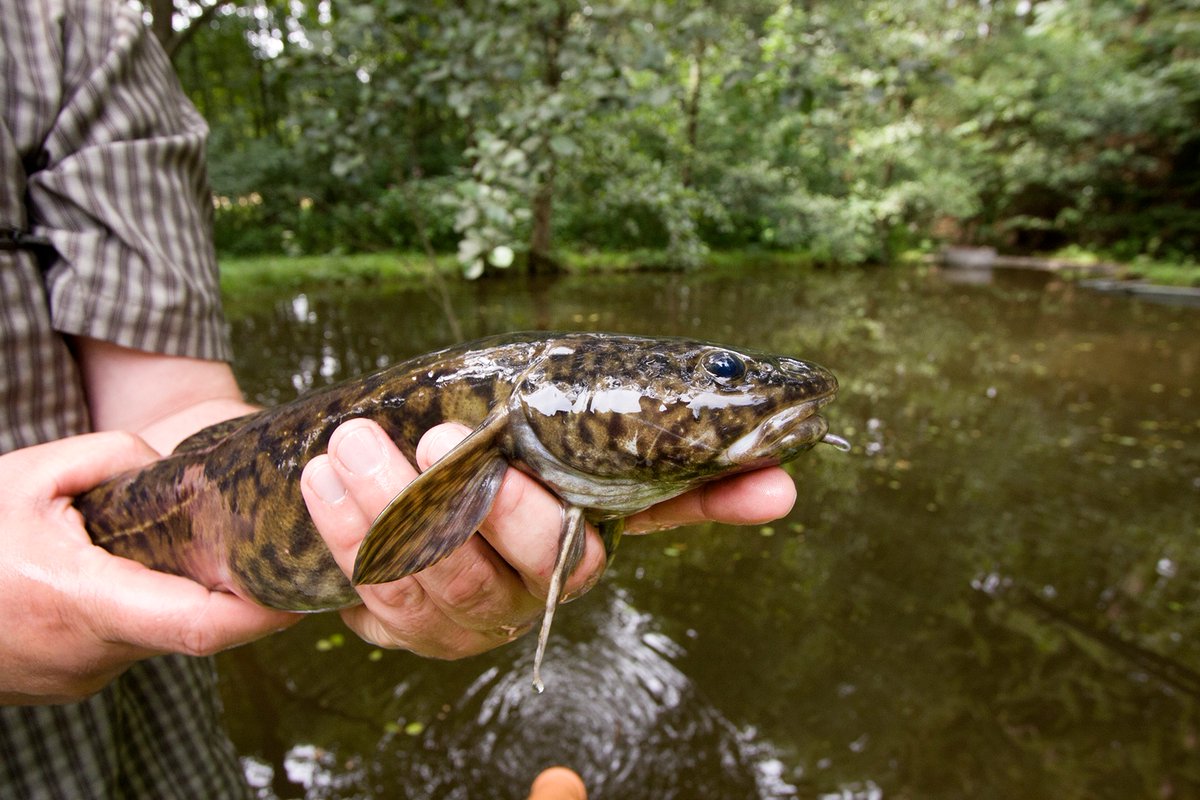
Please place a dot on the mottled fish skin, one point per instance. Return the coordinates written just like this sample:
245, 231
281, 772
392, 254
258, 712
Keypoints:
611, 423
642, 420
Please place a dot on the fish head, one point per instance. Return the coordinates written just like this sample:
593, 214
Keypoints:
619, 412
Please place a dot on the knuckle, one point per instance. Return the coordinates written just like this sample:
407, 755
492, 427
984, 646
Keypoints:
372, 630
403, 597
195, 632
126, 442
472, 587
197, 640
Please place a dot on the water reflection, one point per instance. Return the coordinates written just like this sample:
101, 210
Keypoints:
616, 708
992, 595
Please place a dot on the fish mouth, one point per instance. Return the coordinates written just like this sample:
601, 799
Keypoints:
782, 435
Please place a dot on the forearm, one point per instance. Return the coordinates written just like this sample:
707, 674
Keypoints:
162, 399
165, 433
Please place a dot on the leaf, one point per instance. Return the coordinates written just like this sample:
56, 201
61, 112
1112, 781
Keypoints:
501, 256
467, 217
513, 158
563, 146
469, 249
473, 270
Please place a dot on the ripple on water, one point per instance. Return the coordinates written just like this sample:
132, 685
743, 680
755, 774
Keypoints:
616, 709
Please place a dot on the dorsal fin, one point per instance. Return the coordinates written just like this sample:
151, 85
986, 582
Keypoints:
207, 438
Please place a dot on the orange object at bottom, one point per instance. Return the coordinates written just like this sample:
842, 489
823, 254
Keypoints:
558, 783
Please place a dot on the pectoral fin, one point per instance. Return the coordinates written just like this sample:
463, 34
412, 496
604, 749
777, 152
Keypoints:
436, 513
610, 534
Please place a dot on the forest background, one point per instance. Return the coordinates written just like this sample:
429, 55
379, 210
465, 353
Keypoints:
841, 132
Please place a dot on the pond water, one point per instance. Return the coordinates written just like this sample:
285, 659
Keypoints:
992, 595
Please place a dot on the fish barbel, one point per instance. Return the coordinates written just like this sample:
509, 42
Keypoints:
610, 423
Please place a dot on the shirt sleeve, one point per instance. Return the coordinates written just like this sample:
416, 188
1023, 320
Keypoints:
122, 192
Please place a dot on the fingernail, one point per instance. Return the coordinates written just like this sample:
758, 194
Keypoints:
587, 586
510, 633
325, 481
360, 452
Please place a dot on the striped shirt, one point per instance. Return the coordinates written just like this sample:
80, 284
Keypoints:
101, 154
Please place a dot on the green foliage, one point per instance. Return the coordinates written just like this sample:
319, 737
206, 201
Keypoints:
852, 131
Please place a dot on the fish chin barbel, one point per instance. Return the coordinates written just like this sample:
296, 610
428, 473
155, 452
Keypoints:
837, 441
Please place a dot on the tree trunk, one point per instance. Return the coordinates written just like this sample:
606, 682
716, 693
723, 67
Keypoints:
540, 260
691, 109
162, 12
540, 240
162, 24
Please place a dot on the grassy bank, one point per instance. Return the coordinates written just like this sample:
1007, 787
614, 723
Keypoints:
244, 276
1164, 273
1143, 268
240, 275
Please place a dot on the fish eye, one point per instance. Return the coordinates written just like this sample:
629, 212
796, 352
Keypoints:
724, 366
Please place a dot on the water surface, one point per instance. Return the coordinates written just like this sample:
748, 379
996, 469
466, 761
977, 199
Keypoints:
992, 595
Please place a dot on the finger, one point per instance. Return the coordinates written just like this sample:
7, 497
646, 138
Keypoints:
558, 783
78, 463
403, 614
475, 586
476, 589
347, 489
524, 524
424, 630
747, 499
159, 613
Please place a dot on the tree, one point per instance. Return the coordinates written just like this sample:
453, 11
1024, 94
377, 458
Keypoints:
849, 131
175, 22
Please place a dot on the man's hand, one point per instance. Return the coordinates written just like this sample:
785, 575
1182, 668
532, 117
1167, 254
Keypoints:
75, 615
493, 588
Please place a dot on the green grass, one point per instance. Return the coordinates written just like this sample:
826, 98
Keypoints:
243, 275
653, 260
1143, 268
240, 275
1165, 273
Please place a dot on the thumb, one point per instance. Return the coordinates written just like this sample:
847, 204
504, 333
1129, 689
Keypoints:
75, 464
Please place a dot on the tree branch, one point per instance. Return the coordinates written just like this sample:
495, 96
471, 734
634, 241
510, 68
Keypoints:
178, 39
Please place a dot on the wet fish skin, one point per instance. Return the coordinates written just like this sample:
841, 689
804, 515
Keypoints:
225, 507
610, 423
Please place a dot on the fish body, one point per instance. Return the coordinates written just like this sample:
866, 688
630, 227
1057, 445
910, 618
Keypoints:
610, 423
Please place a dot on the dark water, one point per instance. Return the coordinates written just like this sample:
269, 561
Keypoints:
993, 595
